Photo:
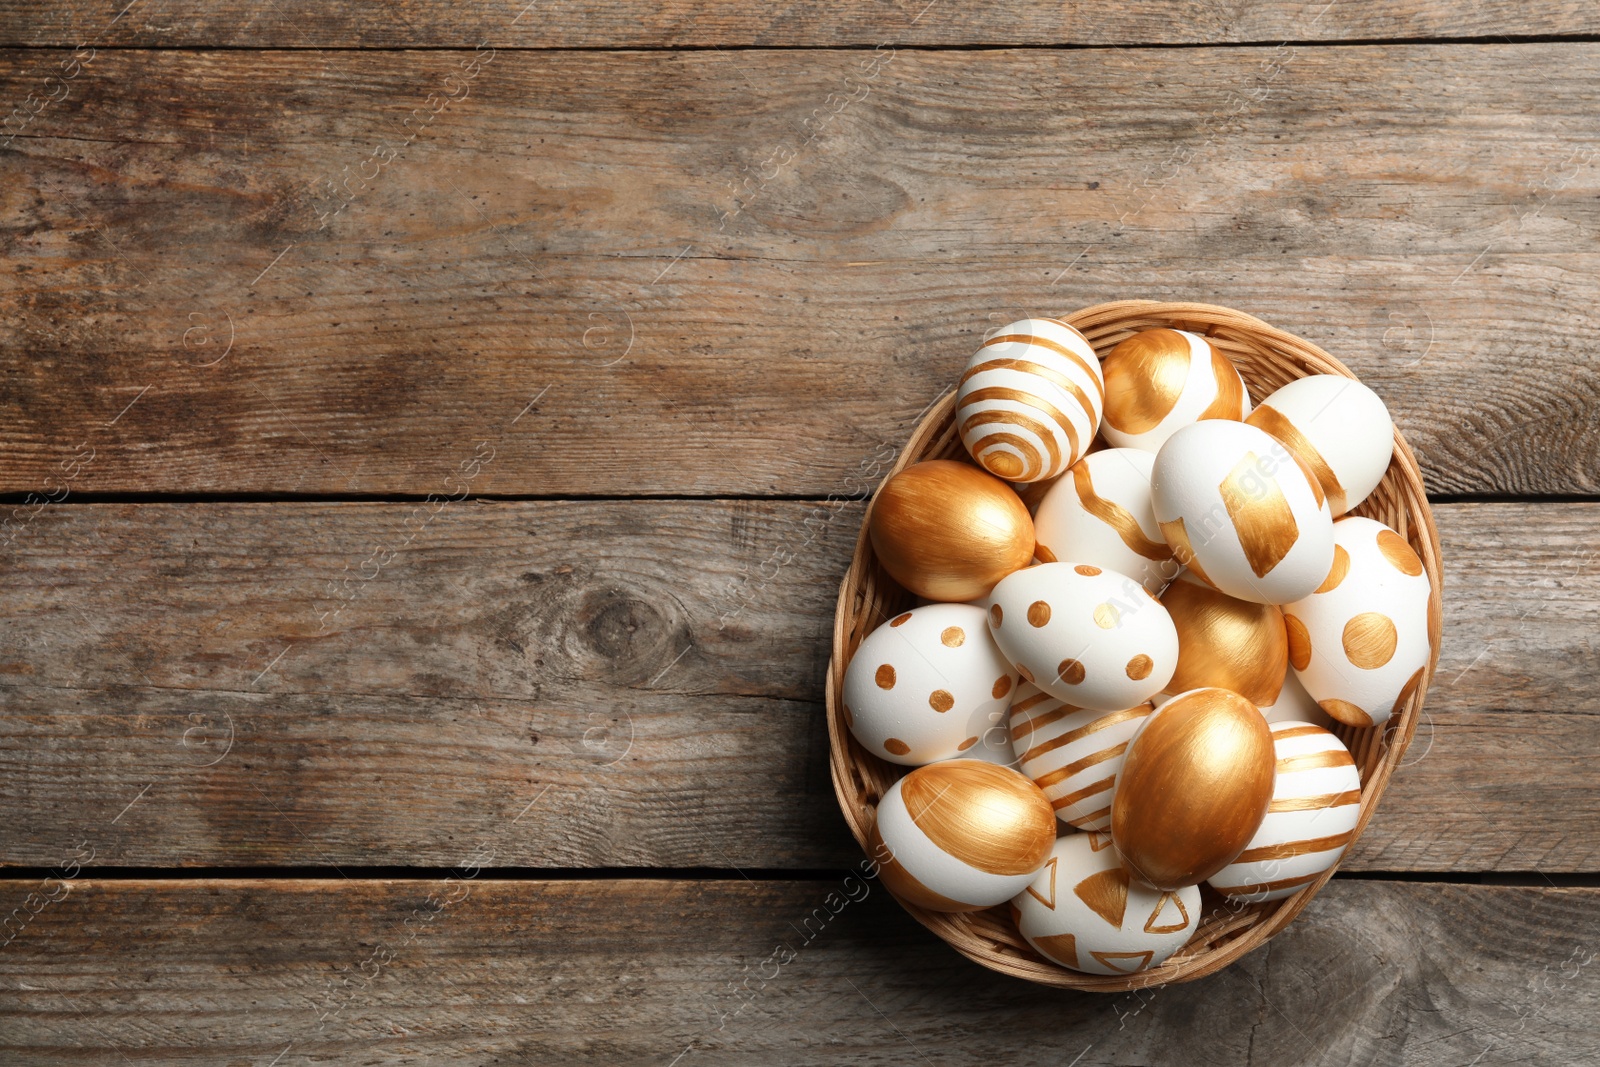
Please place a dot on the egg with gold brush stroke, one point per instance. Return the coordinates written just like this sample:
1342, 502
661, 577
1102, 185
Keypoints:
1226, 642
1084, 911
1241, 513
1194, 787
947, 531
1028, 404
1316, 803
1336, 426
961, 835
1159, 381
1073, 754
927, 685
1361, 642
1099, 512
1091, 637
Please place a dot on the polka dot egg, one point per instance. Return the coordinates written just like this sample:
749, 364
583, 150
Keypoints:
1073, 754
927, 685
1091, 637
1084, 911
1029, 403
1360, 643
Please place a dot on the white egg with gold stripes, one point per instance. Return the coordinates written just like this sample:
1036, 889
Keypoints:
1316, 803
1159, 381
927, 685
1361, 641
1089, 636
1338, 427
1084, 911
1241, 513
1073, 754
1100, 513
1029, 402
960, 835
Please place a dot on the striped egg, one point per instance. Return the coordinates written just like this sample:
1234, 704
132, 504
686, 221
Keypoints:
1100, 513
1360, 643
1084, 911
1316, 802
1073, 754
1029, 403
1338, 428
1159, 381
961, 835
927, 685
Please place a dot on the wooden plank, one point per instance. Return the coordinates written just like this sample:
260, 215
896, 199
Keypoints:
741, 273
476, 971
624, 24
617, 684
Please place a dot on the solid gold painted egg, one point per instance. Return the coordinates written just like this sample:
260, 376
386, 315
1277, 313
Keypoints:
948, 531
1226, 642
961, 835
1194, 787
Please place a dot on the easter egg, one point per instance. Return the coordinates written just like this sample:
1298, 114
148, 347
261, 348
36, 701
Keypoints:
1316, 803
1360, 642
1159, 381
1194, 786
1073, 754
1241, 513
961, 835
927, 685
1226, 642
1085, 912
1338, 428
1099, 512
1091, 637
1294, 703
1029, 402
948, 531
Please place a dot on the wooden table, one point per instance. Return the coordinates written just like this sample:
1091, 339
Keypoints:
433, 437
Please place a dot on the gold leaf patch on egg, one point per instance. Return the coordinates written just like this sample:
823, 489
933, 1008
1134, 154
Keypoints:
1370, 639
1261, 516
1398, 553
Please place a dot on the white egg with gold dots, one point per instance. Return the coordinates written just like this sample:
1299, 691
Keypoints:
927, 685
1316, 803
1029, 403
1084, 911
1089, 636
1360, 643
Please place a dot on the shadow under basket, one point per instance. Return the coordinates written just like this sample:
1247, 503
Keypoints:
1266, 358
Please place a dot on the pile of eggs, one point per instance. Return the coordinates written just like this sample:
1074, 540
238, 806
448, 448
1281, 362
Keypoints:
1124, 692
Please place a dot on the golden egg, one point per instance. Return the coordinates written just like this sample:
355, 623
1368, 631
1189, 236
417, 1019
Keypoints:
949, 531
1226, 642
1194, 787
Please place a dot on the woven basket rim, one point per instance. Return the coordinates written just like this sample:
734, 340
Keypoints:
1227, 930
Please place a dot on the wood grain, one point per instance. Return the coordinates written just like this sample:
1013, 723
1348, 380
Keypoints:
673, 24
824, 972
740, 273
618, 683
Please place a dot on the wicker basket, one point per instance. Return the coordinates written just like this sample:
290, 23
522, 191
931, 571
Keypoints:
1267, 358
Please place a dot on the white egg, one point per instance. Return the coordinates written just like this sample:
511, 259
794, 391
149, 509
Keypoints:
1099, 512
1029, 403
1089, 636
1073, 754
1241, 513
1338, 428
1085, 912
1159, 381
960, 835
1316, 803
1360, 642
927, 685
1294, 704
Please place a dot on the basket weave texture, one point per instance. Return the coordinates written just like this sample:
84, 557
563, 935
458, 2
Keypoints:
1266, 358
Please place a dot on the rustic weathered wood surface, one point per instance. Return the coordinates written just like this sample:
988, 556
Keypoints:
292, 294
662, 251
682, 24
471, 971
645, 674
